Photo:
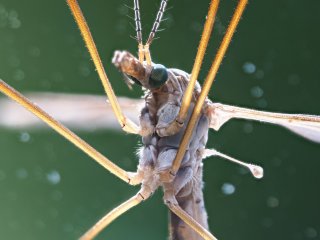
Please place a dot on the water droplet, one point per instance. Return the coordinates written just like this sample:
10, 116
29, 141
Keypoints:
15, 23
248, 128
294, 80
53, 177
18, 75
249, 67
311, 232
21, 173
13, 19
34, 51
256, 92
272, 202
24, 137
9, 18
228, 189
262, 103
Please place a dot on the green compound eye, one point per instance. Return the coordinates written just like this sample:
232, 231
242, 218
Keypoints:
158, 76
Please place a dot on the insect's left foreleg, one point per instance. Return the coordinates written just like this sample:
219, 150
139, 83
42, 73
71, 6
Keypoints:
126, 124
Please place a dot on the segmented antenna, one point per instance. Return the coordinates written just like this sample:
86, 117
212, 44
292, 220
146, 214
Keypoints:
137, 20
157, 22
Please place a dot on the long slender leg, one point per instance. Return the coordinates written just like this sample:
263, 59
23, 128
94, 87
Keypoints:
208, 26
207, 84
176, 125
142, 195
65, 132
172, 204
125, 123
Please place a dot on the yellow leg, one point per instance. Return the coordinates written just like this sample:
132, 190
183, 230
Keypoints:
176, 125
65, 132
208, 26
126, 124
207, 84
176, 209
116, 212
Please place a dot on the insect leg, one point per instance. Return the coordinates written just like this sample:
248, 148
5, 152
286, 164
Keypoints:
207, 84
126, 124
176, 125
142, 195
173, 205
65, 132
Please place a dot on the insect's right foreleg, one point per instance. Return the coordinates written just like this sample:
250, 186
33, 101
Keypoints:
126, 124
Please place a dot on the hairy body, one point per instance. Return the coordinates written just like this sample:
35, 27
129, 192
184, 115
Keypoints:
160, 147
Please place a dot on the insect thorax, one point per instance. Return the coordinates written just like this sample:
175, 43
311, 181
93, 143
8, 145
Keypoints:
158, 152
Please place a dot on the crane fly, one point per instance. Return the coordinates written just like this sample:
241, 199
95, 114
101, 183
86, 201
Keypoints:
173, 124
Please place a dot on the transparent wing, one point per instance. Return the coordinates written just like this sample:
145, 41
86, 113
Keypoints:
80, 112
307, 126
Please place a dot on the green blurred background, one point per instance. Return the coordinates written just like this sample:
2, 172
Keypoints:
51, 190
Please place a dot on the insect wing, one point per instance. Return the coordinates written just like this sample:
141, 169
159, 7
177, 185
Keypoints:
77, 111
307, 126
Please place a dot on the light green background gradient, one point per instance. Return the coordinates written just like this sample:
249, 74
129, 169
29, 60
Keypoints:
41, 50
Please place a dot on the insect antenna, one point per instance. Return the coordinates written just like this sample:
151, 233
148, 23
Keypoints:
156, 24
137, 20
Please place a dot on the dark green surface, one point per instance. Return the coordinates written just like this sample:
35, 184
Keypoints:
46, 53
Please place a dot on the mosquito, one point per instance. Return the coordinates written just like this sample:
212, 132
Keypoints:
173, 124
